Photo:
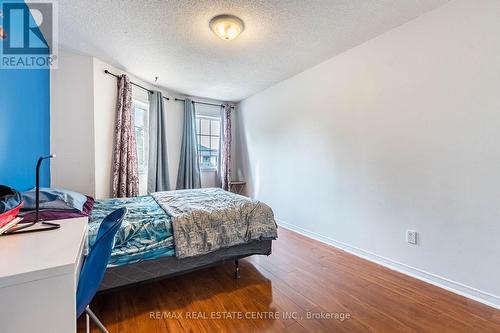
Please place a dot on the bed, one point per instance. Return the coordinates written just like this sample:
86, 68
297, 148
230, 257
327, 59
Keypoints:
170, 233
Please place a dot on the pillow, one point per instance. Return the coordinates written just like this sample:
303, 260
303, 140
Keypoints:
54, 199
50, 215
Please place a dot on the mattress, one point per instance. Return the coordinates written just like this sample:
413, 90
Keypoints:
216, 219
145, 234
144, 248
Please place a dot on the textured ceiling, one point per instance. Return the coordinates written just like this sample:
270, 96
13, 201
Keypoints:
172, 40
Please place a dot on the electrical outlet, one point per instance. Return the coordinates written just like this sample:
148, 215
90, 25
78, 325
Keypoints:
411, 237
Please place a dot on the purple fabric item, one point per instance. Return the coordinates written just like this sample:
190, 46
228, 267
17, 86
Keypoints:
48, 215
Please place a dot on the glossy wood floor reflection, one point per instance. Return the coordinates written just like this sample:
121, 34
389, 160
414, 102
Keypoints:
302, 278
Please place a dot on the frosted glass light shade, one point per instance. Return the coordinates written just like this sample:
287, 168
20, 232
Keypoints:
227, 27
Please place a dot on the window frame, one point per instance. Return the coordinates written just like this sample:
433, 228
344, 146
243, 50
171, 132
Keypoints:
210, 136
137, 104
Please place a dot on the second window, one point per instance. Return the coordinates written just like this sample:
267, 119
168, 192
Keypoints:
208, 138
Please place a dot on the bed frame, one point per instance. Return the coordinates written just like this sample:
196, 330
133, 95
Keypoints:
165, 267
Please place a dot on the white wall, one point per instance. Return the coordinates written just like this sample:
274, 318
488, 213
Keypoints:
399, 133
71, 122
83, 116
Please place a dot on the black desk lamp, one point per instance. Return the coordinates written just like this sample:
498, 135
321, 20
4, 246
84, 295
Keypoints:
18, 229
37, 204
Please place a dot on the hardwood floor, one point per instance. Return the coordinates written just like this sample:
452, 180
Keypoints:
302, 278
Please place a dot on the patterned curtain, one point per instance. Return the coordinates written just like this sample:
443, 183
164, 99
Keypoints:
226, 148
125, 175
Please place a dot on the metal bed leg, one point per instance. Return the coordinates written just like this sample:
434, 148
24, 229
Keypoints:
236, 269
96, 320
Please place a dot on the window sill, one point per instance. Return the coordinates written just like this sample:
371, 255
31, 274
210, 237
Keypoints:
208, 170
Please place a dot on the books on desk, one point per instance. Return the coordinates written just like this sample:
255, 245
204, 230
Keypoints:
10, 224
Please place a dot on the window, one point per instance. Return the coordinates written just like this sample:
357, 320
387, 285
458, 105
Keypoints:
141, 135
208, 138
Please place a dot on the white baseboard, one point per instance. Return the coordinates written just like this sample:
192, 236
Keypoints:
453, 286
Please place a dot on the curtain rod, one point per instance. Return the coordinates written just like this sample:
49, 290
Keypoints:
135, 84
204, 103
150, 91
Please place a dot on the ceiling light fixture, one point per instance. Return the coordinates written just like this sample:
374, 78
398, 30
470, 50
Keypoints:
227, 27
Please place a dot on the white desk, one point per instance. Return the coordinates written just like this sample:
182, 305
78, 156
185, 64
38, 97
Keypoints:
38, 278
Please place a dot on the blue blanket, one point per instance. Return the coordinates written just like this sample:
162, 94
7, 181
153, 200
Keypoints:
146, 232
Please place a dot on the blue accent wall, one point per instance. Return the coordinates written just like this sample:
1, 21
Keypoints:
24, 126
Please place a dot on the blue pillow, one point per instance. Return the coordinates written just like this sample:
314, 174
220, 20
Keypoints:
54, 199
